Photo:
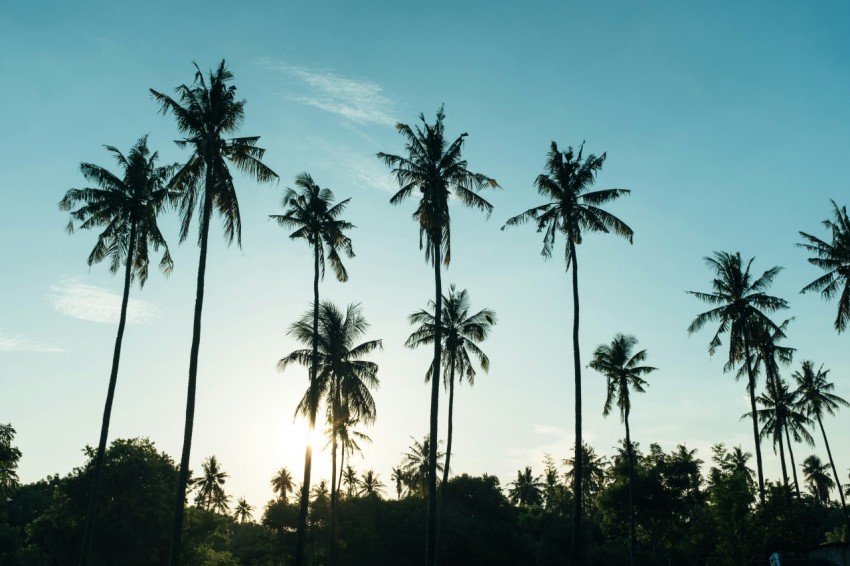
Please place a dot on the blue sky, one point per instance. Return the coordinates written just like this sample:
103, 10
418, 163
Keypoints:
729, 123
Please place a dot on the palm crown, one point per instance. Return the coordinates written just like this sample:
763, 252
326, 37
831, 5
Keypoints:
816, 392
623, 370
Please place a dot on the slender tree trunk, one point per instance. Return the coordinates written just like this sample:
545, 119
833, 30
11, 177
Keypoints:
301, 533
835, 474
88, 530
450, 427
751, 385
631, 456
334, 484
578, 554
431, 520
784, 469
793, 464
183, 479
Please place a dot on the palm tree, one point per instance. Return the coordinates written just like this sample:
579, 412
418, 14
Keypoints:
243, 511
400, 479
741, 304
206, 112
315, 219
461, 333
833, 258
371, 485
210, 486
817, 399
593, 470
348, 439
526, 490
282, 483
572, 211
436, 169
817, 478
622, 369
342, 378
127, 205
349, 478
416, 465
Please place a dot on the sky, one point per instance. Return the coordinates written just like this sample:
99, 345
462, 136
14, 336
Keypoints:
729, 123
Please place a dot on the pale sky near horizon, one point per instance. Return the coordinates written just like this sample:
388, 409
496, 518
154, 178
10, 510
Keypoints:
730, 124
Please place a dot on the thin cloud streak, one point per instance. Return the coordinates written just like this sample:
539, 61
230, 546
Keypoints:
359, 168
17, 343
95, 304
358, 100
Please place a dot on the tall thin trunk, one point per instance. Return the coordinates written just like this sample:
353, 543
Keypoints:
431, 521
835, 474
334, 484
183, 479
450, 427
577, 472
793, 464
301, 534
784, 469
631, 457
88, 530
751, 385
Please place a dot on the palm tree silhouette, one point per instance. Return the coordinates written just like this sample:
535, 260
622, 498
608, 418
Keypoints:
314, 217
526, 490
572, 211
371, 485
243, 511
416, 464
351, 481
817, 479
461, 332
206, 112
400, 479
436, 169
282, 483
833, 258
594, 470
127, 205
741, 307
347, 437
210, 486
621, 367
817, 399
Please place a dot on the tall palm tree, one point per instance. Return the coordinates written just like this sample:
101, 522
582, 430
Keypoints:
342, 378
817, 479
817, 399
526, 490
833, 258
314, 217
206, 112
127, 205
210, 486
282, 483
435, 168
740, 305
461, 333
371, 485
622, 368
573, 210
244, 511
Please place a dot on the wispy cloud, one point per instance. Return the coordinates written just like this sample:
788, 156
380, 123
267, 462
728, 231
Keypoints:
359, 100
17, 343
87, 302
357, 167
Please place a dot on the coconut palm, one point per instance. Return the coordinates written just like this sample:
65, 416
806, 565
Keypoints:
243, 511
435, 168
461, 333
348, 438
817, 479
351, 481
621, 366
210, 486
371, 485
594, 470
206, 112
314, 217
342, 378
127, 206
282, 483
526, 490
740, 305
573, 210
834, 258
400, 479
817, 399
416, 464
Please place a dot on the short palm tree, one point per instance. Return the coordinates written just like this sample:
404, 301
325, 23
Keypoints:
416, 463
243, 511
817, 479
833, 257
349, 439
282, 483
594, 470
461, 334
526, 490
435, 169
573, 210
740, 306
127, 206
400, 479
206, 112
314, 217
817, 400
371, 485
622, 368
210, 486
351, 481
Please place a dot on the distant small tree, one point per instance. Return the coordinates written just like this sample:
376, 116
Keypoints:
243, 511
526, 489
